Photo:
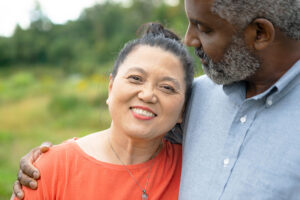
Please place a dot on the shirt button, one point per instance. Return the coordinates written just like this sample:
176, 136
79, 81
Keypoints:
243, 119
226, 162
269, 102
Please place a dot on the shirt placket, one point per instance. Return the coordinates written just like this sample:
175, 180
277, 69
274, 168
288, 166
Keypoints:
235, 139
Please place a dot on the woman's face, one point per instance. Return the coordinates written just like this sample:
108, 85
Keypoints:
147, 95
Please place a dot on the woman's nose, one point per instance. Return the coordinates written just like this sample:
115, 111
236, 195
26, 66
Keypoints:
147, 95
191, 38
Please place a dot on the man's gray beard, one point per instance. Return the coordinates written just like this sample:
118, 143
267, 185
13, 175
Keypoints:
237, 64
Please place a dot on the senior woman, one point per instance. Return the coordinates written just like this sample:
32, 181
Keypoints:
148, 88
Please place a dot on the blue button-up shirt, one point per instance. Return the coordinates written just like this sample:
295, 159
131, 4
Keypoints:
241, 149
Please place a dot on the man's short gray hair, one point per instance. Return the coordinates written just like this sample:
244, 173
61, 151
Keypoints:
284, 14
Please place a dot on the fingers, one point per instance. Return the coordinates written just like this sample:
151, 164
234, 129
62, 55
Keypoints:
28, 172
26, 163
45, 146
13, 196
17, 191
26, 180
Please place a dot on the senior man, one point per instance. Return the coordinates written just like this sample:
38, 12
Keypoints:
242, 133
242, 136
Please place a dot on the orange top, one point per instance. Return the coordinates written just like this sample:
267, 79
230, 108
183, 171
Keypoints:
67, 173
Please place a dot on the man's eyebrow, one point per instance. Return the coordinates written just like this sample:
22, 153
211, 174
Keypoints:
195, 21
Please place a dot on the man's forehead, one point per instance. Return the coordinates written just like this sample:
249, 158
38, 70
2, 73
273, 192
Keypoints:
198, 4
201, 10
195, 8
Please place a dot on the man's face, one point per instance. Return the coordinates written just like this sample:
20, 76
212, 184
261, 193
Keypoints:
222, 50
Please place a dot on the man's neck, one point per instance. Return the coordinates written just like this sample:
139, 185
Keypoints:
275, 63
258, 85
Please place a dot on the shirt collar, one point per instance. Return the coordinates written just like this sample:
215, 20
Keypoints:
237, 91
291, 77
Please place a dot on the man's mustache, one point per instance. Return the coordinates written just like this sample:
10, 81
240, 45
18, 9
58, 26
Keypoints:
200, 53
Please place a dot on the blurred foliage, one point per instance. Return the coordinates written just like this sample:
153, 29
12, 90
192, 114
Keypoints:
54, 78
35, 107
95, 38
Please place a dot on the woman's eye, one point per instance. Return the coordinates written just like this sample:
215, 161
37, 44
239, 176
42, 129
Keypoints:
168, 89
135, 78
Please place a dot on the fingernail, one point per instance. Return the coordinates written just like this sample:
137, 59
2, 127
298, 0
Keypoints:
35, 175
32, 184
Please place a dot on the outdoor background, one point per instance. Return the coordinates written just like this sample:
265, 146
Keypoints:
53, 78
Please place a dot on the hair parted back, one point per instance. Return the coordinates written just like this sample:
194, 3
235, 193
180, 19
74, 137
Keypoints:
284, 14
155, 35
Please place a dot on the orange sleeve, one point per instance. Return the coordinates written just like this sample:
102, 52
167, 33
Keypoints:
49, 167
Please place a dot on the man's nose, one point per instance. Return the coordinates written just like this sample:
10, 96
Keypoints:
191, 38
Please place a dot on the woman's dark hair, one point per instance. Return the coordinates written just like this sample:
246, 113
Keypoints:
155, 35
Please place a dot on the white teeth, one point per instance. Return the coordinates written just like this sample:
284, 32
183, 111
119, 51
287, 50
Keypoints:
143, 112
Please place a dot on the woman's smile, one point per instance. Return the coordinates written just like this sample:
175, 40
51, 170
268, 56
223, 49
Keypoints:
150, 85
142, 113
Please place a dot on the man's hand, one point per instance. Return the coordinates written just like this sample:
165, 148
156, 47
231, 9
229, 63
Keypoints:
28, 174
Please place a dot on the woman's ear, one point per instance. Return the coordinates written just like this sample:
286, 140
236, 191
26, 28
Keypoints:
180, 119
259, 34
110, 85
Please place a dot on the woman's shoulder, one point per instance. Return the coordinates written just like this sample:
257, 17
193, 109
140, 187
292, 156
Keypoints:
53, 166
172, 149
94, 144
92, 138
172, 155
174, 145
57, 154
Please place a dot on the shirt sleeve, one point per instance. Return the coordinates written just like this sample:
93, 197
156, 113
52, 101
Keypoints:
48, 165
34, 194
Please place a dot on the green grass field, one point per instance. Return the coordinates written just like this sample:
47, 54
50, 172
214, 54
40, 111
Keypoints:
45, 104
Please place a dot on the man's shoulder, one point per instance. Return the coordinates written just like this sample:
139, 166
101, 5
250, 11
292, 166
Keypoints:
204, 83
202, 78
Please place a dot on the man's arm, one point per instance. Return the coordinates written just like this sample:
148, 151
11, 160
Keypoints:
28, 174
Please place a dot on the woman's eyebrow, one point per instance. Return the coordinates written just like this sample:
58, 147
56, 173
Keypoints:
137, 69
165, 78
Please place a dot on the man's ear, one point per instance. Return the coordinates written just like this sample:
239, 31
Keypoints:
259, 34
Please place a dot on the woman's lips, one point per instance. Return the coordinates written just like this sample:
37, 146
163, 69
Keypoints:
142, 113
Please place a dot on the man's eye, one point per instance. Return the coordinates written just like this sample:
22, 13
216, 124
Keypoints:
203, 29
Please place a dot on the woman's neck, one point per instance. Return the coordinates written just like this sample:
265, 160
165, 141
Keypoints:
126, 150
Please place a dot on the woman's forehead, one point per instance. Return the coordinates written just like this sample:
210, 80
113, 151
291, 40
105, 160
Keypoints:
149, 56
